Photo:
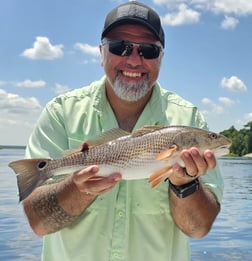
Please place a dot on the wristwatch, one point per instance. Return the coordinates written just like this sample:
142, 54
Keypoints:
185, 190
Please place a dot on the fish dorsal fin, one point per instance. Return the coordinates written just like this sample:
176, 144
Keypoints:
107, 136
98, 140
146, 129
68, 153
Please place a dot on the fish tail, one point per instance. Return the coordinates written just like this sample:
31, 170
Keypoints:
28, 175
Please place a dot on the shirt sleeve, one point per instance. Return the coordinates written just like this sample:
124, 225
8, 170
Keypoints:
48, 138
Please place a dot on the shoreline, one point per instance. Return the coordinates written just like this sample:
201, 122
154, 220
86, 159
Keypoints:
19, 147
247, 155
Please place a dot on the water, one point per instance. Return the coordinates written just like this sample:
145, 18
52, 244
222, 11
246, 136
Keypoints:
231, 235
229, 239
17, 241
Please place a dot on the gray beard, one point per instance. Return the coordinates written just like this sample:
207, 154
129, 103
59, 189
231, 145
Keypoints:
130, 92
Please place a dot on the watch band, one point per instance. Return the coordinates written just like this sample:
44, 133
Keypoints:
185, 190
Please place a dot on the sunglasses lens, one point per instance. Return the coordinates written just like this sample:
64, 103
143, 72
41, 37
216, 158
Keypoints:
121, 48
149, 51
124, 48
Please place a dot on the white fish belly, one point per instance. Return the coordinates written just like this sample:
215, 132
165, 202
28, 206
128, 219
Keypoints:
134, 172
138, 168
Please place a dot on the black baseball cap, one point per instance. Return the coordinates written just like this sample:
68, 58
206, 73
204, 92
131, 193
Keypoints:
134, 12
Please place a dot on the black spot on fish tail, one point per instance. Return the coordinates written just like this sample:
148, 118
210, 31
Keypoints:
28, 175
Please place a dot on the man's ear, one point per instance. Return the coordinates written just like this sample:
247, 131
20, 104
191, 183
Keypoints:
101, 53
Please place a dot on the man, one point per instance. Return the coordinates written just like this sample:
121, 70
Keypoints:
82, 218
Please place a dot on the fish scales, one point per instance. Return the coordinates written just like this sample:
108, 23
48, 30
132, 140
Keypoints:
148, 152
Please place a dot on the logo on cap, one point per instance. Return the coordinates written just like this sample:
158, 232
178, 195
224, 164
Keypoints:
133, 10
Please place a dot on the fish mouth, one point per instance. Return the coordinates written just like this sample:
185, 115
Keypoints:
221, 151
227, 146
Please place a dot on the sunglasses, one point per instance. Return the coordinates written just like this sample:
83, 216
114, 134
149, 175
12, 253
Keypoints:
125, 48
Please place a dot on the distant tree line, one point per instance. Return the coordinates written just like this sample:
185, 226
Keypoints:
241, 139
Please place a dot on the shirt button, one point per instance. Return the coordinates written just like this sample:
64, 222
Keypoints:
116, 255
120, 214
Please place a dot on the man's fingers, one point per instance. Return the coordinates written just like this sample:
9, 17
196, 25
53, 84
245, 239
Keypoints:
192, 162
210, 159
195, 164
89, 182
85, 174
100, 185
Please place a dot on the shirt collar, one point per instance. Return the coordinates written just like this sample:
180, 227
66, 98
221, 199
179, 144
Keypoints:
151, 115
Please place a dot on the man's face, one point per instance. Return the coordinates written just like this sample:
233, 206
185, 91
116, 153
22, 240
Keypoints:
132, 76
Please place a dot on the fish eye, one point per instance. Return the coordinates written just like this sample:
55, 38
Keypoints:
213, 135
42, 164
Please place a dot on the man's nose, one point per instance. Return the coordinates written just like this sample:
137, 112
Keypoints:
134, 58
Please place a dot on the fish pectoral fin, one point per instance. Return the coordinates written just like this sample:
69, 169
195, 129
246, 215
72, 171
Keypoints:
159, 176
166, 154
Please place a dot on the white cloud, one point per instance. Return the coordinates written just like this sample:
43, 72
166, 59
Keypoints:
60, 89
184, 15
235, 7
88, 49
240, 123
233, 84
31, 84
206, 101
89, 61
248, 116
160, 2
226, 101
213, 107
17, 117
229, 22
217, 109
189, 11
241, 7
15, 104
43, 49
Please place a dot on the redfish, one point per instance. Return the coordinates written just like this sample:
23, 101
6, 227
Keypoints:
147, 153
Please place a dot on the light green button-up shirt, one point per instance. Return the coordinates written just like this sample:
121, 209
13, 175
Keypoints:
132, 221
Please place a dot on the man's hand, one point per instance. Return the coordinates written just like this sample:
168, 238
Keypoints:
196, 165
89, 183
195, 214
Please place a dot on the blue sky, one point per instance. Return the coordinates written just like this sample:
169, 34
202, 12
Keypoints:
48, 47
